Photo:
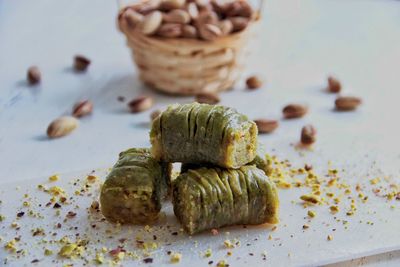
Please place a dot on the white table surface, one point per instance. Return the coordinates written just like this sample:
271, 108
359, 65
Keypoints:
300, 43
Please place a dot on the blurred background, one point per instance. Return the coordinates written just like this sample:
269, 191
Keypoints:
299, 44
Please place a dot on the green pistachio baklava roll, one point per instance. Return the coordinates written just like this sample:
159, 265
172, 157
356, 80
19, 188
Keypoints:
258, 161
207, 198
133, 190
202, 133
262, 163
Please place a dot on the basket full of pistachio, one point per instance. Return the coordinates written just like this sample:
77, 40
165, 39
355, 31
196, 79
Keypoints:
186, 47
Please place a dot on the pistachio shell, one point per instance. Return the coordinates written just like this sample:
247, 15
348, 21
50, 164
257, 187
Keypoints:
189, 31
177, 16
170, 30
209, 32
151, 22
62, 126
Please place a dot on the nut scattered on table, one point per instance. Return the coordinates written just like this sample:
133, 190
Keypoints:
334, 85
308, 135
81, 63
347, 103
253, 82
82, 108
62, 126
266, 125
34, 76
140, 104
208, 98
293, 111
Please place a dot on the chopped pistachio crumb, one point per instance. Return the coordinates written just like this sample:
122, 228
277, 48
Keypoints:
332, 182
330, 237
283, 184
67, 251
311, 213
208, 253
56, 191
99, 258
54, 178
310, 199
375, 181
120, 256
176, 257
222, 263
2, 218
334, 209
11, 245
228, 244
349, 213
48, 252
317, 192
40, 187
91, 178
332, 171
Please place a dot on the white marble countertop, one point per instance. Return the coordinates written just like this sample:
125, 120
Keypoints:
300, 43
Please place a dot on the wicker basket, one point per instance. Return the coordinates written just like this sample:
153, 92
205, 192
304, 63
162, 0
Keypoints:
189, 66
